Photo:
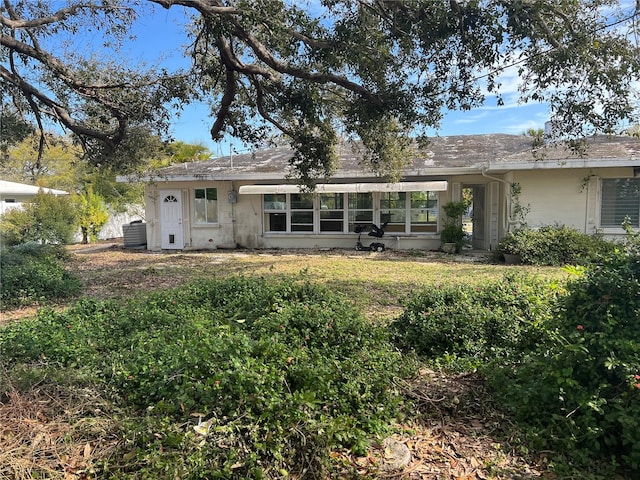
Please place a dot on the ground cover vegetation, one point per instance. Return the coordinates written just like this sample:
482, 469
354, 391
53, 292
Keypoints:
256, 374
562, 358
242, 378
32, 273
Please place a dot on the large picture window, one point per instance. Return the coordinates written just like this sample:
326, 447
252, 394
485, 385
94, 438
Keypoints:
206, 205
325, 213
620, 199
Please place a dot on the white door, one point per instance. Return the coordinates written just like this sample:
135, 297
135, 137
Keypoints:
171, 232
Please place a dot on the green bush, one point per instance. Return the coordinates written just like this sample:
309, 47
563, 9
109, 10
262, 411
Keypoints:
555, 245
46, 219
31, 273
283, 371
579, 393
499, 319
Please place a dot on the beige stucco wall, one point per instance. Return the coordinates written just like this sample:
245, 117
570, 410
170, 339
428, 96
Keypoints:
566, 197
247, 229
553, 196
563, 196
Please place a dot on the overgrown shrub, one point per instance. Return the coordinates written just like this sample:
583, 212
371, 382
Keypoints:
46, 219
555, 245
30, 273
579, 393
279, 372
499, 319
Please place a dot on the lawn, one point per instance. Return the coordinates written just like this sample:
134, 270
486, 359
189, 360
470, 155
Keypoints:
375, 282
447, 422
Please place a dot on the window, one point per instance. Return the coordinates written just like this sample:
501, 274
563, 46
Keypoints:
360, 209
275, 212
393, 211
326, 213
620, 199
331, 212
206, 205
409, 212
301, 212
424, 211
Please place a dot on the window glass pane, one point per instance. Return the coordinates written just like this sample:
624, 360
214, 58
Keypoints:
393, 200
302, 221
331, 212
360, 209
424, 208
331, 225
393, 216
212, 211
331, 215
360, 201
360, 216
205, 205
419, 199
275, 222
275, 201
620, 199
302, 217
200, 206
301, 201
332, 201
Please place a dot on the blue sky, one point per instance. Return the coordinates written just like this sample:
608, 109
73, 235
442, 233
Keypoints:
161, 34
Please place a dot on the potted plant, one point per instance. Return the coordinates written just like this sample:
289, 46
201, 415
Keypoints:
452, 235
511, 246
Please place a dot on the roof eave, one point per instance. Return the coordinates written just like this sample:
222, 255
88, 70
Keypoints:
554, 164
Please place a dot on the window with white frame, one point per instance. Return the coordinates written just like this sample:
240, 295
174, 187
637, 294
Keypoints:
332, 213
360, 208
275, 212
620, 199
409, 212
423, 212
205, 205
301, 212
323, 213
393, 211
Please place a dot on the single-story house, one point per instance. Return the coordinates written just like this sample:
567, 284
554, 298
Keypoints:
247, 201
13, 195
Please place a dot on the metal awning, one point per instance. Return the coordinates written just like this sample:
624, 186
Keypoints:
437, 186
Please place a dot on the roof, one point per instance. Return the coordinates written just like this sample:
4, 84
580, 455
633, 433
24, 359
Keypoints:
13, 188
442, 156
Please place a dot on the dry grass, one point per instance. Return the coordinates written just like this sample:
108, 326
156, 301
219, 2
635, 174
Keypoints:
376, 282
53, 431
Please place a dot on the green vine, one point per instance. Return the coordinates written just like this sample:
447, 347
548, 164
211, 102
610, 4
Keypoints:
518, 211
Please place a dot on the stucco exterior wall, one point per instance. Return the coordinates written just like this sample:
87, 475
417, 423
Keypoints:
240, 224
554, 196
566, 197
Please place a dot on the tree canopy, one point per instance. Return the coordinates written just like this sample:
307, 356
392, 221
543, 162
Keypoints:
376, 71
